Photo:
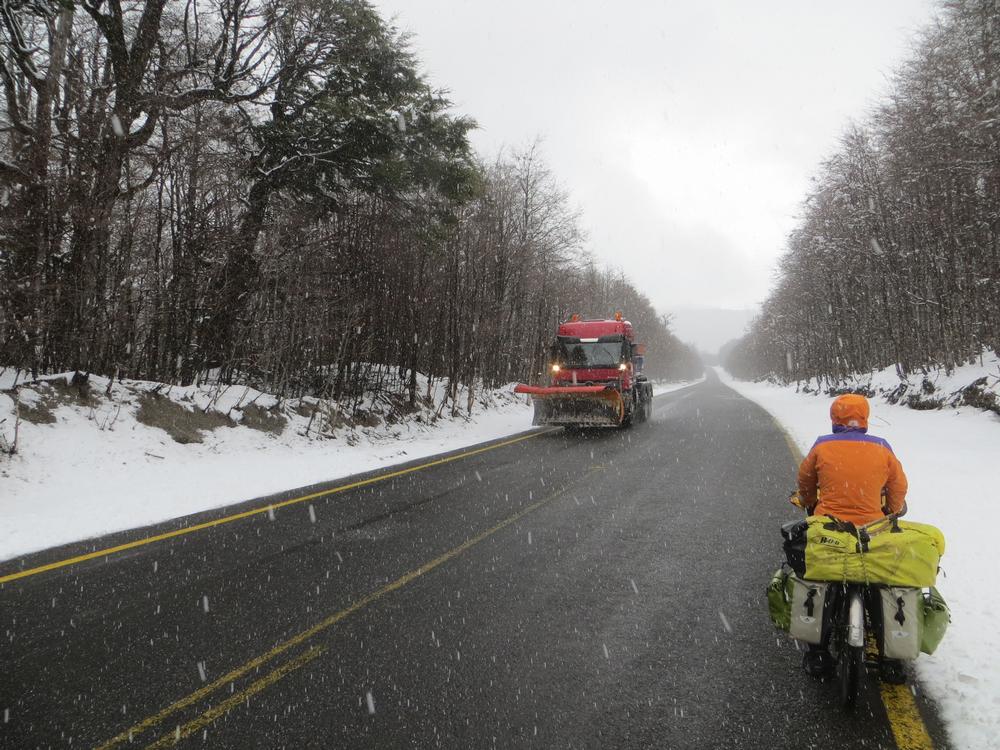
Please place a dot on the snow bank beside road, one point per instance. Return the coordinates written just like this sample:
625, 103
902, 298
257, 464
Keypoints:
951, 460
975, 383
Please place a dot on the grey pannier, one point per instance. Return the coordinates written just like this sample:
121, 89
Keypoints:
808, 603
901, 614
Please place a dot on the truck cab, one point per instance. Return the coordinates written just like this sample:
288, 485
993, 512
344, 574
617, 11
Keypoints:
592, 352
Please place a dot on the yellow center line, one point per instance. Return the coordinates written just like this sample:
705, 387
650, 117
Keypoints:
904, 718
256, 511
324, 624
908, 728
202, 721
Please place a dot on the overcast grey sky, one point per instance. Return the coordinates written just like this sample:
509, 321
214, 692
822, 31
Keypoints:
687, 132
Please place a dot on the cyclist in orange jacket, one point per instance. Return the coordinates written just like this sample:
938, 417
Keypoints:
850, 469
852, 476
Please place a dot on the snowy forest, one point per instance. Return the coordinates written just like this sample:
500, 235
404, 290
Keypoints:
273, 193
896, 259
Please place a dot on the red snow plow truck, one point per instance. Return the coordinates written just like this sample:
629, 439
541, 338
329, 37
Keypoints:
594, 377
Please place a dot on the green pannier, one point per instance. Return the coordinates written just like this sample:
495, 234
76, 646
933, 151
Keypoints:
779, 599
936, 617
834, 551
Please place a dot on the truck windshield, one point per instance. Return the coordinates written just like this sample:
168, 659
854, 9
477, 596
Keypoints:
597, 354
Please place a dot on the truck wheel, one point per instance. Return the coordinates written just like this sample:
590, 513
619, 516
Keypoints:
644, 406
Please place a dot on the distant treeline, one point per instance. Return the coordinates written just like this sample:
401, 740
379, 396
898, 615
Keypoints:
270, 191
897, 257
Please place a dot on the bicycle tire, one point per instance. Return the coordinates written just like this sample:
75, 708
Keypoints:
851, 663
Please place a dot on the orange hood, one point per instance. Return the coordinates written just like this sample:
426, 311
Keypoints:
850, 411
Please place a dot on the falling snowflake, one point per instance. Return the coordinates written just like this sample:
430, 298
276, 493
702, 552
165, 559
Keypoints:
725, 622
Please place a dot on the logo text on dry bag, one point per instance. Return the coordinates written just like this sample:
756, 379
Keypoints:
830, 542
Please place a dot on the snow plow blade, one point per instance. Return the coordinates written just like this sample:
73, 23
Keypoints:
585, 405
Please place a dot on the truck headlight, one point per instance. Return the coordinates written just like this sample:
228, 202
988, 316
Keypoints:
555, 368
623, 367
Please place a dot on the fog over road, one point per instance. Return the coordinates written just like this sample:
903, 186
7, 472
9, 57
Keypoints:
564, 590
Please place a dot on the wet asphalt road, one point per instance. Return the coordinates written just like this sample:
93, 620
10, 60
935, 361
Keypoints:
570, 590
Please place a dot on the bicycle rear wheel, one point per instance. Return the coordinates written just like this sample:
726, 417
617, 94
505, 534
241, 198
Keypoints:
850, 663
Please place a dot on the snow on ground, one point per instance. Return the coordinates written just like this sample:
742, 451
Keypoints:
951, 460
89, 466
975, 383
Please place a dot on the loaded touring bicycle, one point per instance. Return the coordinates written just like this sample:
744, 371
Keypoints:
863, 596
